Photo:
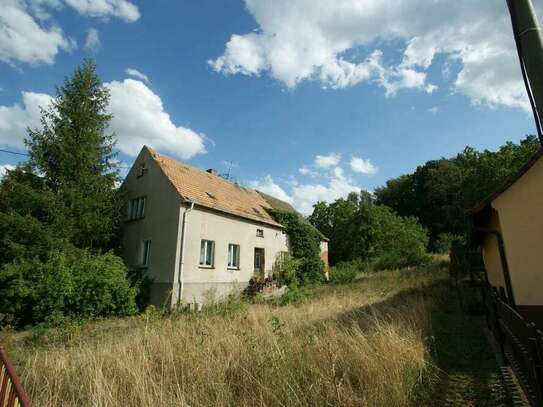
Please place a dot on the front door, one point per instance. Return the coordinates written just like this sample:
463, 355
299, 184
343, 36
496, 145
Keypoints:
259, 261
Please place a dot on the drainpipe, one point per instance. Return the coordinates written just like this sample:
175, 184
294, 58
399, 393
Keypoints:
503, 260
181, 284
530, 51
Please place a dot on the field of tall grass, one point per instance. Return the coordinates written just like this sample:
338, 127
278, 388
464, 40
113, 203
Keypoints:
367, 343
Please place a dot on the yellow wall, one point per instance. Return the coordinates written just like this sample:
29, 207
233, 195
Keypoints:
491, 254
520, 210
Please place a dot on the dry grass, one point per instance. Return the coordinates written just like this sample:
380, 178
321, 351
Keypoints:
365, 344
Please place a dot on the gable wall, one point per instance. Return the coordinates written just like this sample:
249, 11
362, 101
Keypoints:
160, 225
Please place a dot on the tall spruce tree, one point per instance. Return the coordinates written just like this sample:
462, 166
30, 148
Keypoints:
73, 153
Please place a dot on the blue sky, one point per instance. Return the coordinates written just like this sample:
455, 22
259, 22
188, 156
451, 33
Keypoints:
308, 99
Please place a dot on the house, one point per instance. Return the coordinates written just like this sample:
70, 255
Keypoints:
508, 227
195, 233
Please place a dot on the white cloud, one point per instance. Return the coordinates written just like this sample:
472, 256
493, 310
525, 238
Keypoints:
327, 161
434, 109
105, 9
92, 41
22, 39
15, 119
313, 39
28, 35
305, 170
270, 187
304, 196
137, 74
138, 118
363, 166
4, 168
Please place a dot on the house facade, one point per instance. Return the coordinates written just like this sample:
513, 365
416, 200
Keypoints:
508, 227
197, 235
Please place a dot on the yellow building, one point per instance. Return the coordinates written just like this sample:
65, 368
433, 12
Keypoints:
508, 227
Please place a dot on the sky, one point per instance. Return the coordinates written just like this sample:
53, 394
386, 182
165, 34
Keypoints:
307, 100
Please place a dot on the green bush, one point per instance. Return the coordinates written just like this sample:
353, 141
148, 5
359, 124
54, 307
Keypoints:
344, 273
286, 269
77, 285
305, 243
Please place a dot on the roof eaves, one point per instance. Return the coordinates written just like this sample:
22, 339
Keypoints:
507, 183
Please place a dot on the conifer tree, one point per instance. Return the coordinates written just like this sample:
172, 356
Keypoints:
74, 154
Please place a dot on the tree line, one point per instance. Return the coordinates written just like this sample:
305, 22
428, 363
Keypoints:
424, 210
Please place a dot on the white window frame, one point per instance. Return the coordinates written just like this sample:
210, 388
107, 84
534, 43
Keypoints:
207, 253
233, 256
145, 252
136, 208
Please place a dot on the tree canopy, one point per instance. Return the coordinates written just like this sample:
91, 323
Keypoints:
440, 192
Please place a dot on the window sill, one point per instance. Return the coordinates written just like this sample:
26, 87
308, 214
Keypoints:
201, 266
232, 268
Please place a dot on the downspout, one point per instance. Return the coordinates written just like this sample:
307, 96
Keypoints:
181, 284
503, 261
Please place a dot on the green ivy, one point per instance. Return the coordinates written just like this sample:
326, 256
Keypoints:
304, 241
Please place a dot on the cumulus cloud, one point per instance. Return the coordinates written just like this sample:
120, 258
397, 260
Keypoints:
23, 39
139, 118
270, 187
320, 39
363, 166
327, 161
92, 42
303, 196
105, 9
137, 74
15, 119
28, 35
4, 168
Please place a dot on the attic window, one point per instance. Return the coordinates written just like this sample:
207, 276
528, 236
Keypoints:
142, 170
211, 195
260, 233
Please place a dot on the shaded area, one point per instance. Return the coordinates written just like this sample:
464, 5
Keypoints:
467, 373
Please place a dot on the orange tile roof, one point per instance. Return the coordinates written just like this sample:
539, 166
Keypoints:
213, 191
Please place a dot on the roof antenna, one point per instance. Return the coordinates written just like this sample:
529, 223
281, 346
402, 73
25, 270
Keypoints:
229, 165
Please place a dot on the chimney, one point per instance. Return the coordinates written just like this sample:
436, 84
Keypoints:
212, 171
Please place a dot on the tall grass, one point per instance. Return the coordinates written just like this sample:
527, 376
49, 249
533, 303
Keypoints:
366, 344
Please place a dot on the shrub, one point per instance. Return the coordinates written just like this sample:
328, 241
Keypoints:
64, 286
344, 273
304, 242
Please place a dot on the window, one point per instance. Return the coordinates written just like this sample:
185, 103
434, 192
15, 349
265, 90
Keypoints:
233, 256
145, 252
136, 208
207, 251
142, 170
260, 233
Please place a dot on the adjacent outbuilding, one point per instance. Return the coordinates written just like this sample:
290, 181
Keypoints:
508, 227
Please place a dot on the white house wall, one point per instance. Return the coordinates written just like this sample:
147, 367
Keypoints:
160, 225
201, 283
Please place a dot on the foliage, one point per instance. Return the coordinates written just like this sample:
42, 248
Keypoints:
344, 273
79, 284
295, 295
65, 196
304, 242
360, 229
286, 269
439, 192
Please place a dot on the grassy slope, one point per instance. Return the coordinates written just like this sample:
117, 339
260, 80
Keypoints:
391, 338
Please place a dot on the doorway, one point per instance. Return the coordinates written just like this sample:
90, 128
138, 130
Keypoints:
259, 261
